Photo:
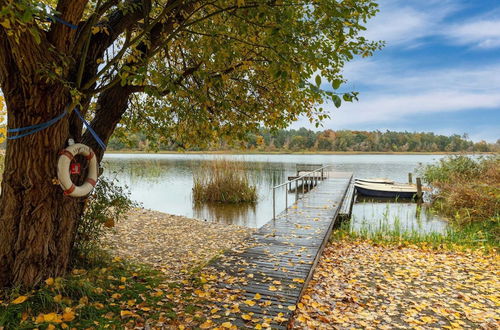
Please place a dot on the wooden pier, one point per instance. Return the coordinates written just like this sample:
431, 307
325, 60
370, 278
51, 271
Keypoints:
284, 253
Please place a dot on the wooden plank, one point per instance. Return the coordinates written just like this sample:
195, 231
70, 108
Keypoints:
347, 204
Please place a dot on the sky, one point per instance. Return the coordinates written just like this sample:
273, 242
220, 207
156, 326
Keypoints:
439, 71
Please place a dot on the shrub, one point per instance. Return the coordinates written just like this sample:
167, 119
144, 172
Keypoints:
107, 205
223, 181
468, 190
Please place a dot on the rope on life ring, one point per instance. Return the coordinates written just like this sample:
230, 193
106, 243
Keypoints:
65, 158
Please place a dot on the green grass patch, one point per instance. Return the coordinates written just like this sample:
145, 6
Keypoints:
472, 236
223, 181
96, 298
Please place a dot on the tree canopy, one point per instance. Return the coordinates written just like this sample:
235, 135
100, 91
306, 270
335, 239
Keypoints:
196, 70
185, 70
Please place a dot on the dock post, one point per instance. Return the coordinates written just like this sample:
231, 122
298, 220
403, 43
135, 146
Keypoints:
296, 190
419, 189
302, 187
410, 178
286, 198
274, 203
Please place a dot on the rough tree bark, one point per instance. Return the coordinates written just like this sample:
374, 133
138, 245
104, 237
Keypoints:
37, 222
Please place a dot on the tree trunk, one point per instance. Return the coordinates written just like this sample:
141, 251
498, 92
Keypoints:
37, 222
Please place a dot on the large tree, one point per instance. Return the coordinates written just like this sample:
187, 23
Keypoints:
189, 71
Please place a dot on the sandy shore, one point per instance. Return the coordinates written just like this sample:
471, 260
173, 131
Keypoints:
173, 244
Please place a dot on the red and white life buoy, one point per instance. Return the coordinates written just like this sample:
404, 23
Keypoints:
63, 173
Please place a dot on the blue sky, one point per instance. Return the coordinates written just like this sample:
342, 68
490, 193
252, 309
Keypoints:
439, 71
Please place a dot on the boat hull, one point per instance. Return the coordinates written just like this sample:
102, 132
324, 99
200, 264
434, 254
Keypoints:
384, 193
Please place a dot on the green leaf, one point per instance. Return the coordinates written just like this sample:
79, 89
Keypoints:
347, 97
337, 101
336, 83
318, 80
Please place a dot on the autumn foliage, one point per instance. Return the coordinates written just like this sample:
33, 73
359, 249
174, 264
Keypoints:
468, 190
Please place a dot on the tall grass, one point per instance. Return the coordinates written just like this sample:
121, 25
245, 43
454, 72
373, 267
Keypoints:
467, 191
223, 181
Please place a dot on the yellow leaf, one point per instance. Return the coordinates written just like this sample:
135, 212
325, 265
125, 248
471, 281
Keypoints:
246, 317
49, 281
68, 315
58, 298
298, 280
126, 313
95, 29
292, 308
6, 24
19, 300
51, 327
39, 319
52, 317
257, 296
226, 325
206, 325
273, 288
258, 326
250, 302
426, 319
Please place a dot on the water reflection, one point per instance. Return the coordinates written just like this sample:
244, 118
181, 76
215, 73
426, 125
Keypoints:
164, 182
379, 215
239, 214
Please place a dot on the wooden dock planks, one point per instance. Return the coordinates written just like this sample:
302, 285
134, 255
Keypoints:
283, 253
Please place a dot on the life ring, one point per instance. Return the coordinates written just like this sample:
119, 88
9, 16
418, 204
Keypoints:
65, 158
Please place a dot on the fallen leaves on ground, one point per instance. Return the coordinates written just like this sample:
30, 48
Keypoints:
173, 244
362, 285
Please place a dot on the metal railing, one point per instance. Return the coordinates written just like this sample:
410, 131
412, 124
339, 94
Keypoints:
313, 181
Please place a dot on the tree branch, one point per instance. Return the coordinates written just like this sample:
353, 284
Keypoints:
60, 35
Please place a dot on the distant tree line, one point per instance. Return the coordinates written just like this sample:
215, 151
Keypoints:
328, 140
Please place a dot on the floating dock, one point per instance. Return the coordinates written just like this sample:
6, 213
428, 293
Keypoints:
284, 253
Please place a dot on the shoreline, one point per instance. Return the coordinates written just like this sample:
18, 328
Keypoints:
249, 152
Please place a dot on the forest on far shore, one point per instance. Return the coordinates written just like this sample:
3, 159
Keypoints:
328, 140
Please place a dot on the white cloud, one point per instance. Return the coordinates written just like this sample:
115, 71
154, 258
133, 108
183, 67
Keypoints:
395, 91
372, 109
395, 75
407, 22
480, 33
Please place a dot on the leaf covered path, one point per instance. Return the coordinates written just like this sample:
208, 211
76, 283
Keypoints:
173, 244
362, 285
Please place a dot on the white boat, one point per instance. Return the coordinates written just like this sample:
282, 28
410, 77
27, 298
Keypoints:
375, 180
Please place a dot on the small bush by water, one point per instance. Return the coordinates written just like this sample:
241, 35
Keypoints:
468, 191
106, 205
223, 181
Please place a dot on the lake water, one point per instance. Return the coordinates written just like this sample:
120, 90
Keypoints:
164, 182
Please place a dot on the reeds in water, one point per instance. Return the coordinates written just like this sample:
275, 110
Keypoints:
223, 181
